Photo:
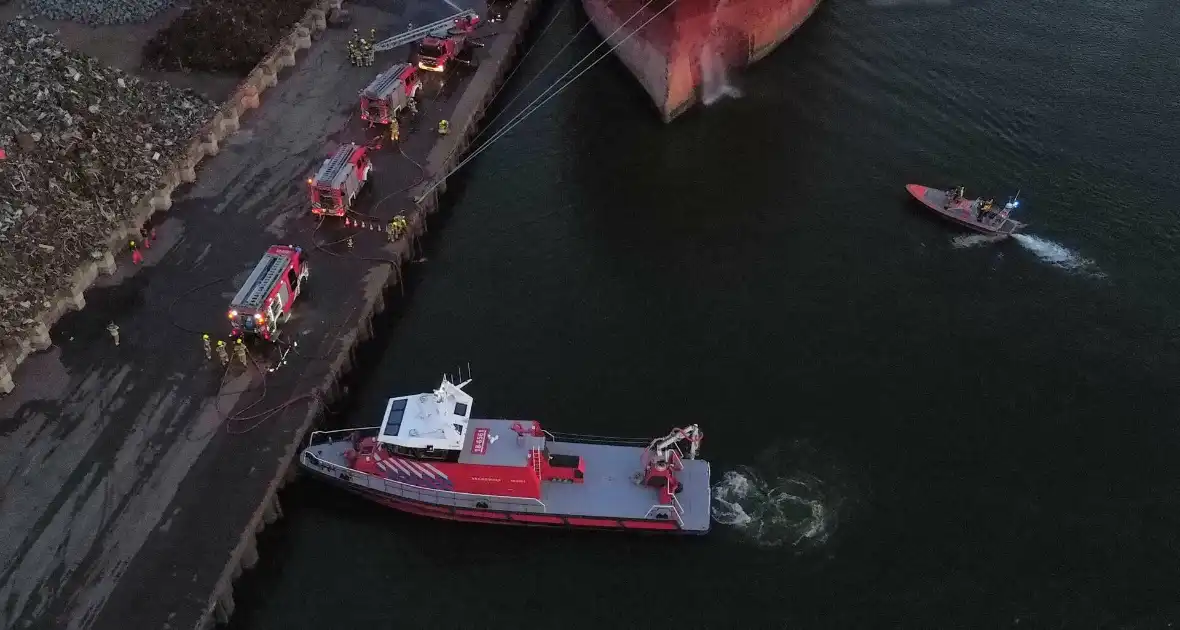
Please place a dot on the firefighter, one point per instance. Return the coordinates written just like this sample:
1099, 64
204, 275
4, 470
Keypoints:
240, 350
397, 227
412, 106
394, 131
205, 343
222, 354
144, 235
354, 52
136, 257
444, 127
113, 329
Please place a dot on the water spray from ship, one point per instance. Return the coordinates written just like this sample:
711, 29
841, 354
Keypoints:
715, 84
775, 508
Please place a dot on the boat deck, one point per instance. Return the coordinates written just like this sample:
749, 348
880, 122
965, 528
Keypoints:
962, 211
610, 487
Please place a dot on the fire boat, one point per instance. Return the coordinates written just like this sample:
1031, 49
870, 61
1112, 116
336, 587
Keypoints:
428, 457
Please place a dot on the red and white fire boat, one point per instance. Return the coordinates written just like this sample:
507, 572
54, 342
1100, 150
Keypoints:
429, 457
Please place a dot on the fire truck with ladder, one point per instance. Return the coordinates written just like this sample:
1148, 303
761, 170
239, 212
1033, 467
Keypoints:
339, 179
265, 299
439, 42
391, 92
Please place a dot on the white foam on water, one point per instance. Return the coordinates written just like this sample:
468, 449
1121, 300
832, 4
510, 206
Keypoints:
790, 511
1058, 255
973, 240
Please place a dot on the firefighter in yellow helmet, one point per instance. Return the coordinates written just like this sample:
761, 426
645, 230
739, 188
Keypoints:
444, 127
395, 132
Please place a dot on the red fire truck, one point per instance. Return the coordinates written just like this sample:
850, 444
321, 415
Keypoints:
389, 93
265, 299
339, 179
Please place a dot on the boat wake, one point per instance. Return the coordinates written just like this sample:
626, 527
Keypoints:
790, 510
1059, 255
974, 240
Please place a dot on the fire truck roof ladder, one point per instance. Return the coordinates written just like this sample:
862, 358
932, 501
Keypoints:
332, 169
381, 86
275, 265
441, 26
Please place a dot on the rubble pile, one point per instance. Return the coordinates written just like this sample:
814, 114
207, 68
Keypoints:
97, 12
84, 142
225, 36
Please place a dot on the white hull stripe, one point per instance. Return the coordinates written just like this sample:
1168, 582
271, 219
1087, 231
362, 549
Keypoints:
404, 468
382, 465
422, 469
410, 466
436, 471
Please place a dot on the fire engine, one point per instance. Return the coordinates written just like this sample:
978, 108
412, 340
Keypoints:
339, 179
265, 299
389, 93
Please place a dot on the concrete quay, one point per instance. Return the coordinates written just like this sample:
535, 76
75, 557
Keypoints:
136, 477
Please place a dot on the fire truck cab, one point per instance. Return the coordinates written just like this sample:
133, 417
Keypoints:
339, 179
265, 299
434, 53
389, 93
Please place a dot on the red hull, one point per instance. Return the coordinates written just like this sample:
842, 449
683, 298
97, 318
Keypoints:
506, 518
665, 56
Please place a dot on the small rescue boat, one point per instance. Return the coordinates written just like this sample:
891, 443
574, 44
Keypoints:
974, 214
429, 457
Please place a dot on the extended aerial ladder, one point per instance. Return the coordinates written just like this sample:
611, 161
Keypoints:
438, 29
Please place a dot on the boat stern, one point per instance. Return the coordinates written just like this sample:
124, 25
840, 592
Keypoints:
696, 498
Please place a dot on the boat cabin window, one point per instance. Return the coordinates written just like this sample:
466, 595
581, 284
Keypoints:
460, 409
393, 419
439, 455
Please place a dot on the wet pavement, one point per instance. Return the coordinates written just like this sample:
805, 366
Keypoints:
129, 472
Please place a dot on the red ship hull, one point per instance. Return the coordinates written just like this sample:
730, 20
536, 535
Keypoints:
500, 517
666, 55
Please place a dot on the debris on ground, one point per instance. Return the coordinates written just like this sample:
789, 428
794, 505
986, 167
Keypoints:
97, 12
224, 36
84, 142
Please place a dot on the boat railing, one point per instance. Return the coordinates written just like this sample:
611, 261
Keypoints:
320, 437
581, 438
427, 495
674, 508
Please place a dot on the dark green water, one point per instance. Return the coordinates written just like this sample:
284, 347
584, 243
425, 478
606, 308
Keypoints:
920, 430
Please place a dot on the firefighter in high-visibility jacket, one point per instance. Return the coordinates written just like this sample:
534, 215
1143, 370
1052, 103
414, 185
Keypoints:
444, 127
394, 131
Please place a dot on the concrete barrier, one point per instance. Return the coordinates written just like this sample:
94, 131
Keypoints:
206, 142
